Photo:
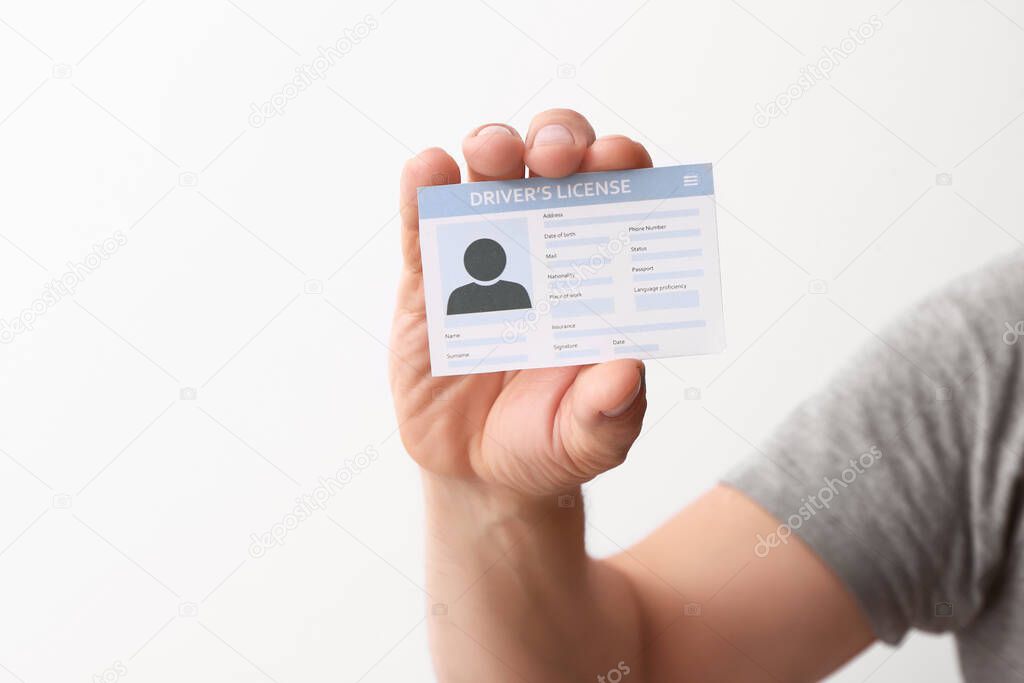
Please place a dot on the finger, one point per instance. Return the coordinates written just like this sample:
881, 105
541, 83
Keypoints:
602, 414
615, 153
557, 142
432, 166
494, 152
409, 333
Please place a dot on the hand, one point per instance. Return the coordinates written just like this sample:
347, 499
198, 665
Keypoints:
537, 432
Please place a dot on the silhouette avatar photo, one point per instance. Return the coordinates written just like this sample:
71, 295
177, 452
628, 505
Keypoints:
485, 262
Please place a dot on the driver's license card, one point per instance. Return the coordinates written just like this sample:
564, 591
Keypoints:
544, 272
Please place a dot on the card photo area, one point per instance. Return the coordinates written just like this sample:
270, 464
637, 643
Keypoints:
485, 267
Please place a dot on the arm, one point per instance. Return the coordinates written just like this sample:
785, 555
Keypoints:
503, 456
781, 617
526, 603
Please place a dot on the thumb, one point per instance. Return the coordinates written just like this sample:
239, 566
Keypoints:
602, 414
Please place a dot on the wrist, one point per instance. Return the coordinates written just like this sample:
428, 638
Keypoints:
493, 503
471, 525
498, 559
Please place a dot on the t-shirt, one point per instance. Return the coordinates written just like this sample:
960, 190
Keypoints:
905, 473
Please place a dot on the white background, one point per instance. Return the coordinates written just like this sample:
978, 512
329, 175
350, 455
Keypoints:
121, 504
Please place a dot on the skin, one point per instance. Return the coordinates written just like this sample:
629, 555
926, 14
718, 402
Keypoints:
514, 595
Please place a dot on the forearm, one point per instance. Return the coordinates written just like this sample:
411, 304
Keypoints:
514, 595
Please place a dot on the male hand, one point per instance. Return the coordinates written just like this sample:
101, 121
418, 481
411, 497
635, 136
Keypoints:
536, 432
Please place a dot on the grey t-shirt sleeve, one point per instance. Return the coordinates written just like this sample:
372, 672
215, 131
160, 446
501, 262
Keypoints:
904, 473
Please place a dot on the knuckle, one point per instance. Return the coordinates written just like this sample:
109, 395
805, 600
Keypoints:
568, 117
432, 166
564, 113
418, 161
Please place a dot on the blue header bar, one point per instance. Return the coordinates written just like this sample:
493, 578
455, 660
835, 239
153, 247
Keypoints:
582, 189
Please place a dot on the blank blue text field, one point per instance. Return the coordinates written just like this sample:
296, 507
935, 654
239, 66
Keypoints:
575, 241
581, 307
572, 284
489, 360
665, 255
511, 317
483, 341
592, 262
577, 353
621, 218
663, 235
668, 275
629, 329
666, 300
636, 349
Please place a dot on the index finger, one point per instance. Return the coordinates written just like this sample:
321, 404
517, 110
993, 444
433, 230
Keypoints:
430, 167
